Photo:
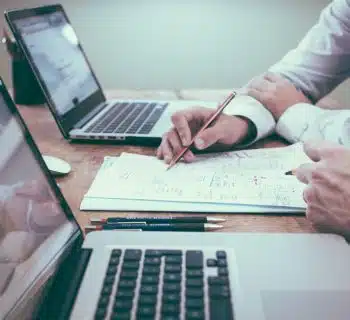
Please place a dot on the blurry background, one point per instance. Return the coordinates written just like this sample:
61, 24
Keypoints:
171, 44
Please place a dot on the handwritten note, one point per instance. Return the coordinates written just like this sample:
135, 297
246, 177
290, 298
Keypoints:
241, 177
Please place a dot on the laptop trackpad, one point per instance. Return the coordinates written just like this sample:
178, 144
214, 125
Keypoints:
306, 305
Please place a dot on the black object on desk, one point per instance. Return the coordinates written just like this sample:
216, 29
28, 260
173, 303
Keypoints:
26, 89
201, 227
158, 219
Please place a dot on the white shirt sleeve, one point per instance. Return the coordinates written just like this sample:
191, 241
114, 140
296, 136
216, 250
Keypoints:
322, 59
305, 121
252, 109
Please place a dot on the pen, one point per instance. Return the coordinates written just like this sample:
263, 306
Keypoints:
206, 125
150, 220
157, 227
290, 173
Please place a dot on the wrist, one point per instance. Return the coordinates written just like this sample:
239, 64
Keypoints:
248, 129
277, 114
301, 98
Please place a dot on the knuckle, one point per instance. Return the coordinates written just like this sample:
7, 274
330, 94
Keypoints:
262, 97
310, 214
197, 109
250, 90
269, 96
254, 93
317, 174
309, 194
165, 136
171, 135
175, 117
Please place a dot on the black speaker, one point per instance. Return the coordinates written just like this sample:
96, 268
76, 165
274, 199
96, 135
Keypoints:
26, 89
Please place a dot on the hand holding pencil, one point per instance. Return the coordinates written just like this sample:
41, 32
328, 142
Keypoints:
194, 127
327, 186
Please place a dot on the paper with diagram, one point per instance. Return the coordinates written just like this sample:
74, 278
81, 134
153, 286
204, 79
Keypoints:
249, 177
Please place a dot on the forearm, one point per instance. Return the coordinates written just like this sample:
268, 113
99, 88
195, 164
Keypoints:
322, 59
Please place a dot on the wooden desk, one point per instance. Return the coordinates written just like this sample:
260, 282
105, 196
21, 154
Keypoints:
85, 160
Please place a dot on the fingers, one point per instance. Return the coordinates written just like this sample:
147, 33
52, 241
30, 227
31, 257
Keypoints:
46, 215
265, 81
182, 121
255, 93
273, 77
315, 172
170, 146
165, 151
35, 190
226, 131
317, 150
208, 137
304, 172
185, 122
259, 84
262, 90
308, 194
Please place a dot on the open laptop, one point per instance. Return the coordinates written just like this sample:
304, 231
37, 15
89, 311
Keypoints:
72, 90
48, 269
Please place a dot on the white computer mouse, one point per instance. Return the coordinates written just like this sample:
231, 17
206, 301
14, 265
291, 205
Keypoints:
57, 166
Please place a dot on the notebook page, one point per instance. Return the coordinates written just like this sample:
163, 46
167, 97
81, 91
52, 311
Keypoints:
254, 177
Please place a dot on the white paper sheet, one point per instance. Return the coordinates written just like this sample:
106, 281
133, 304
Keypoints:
251, 177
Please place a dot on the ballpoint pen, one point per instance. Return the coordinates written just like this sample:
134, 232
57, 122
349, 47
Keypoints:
156, 227
218, 111
151, 220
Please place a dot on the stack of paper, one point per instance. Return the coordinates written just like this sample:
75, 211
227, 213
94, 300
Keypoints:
239, 181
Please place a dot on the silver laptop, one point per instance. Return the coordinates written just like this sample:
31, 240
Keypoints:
48, 269
72, 90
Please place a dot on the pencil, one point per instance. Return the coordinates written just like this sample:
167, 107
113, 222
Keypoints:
205, 126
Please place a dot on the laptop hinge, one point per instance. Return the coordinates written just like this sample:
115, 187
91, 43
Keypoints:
74, 282
66, 285
82, 122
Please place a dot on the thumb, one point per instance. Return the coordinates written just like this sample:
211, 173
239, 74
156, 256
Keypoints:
317, 150
304, 172
207, 138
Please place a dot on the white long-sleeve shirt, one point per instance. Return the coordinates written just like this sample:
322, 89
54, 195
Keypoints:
320, 62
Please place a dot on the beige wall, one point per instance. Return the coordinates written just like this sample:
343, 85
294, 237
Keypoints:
182, 43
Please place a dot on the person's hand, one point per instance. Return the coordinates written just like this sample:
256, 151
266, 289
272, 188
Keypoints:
327, 193
222, 135
36, 190
276, 93
34, 198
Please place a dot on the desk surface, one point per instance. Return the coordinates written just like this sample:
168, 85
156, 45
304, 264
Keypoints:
86, 159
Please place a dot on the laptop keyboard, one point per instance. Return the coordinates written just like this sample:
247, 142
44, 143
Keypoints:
165, 284
129, 118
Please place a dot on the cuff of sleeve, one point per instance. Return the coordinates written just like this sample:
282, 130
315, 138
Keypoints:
335, 126
248, 107
296, 123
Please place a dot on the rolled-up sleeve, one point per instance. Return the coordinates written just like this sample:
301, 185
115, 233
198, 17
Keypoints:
303, 122
321, 61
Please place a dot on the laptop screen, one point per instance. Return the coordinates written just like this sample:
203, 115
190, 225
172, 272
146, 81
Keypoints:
34, 228
55, 51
